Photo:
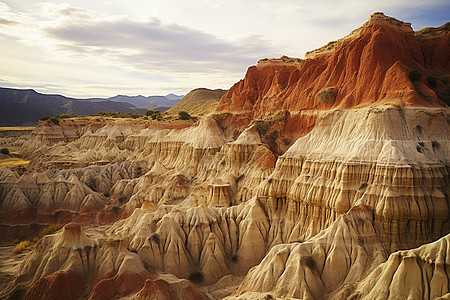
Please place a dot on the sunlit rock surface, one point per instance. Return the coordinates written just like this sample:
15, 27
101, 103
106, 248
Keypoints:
335, 162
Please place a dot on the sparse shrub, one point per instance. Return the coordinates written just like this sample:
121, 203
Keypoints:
431, 81
54, 120
50, 229
184, 115
44, 118
20, 247
4, 151
156, 116
196, 277
119, 115
234, 259
414, 75
67, 116
106, 194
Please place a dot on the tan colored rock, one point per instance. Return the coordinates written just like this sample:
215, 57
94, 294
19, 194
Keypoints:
323, 267
420, 273
367, 156
69, 249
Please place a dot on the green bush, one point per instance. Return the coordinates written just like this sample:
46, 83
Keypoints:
414, 75
4, 151
119, 115
54, 120
184, 115
67, 116
44, 118
432, 82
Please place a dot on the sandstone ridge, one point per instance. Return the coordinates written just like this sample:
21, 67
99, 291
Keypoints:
380, 55
259, 204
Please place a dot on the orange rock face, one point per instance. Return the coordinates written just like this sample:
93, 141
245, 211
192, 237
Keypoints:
61, 285
371, 65
162, 290
120, 284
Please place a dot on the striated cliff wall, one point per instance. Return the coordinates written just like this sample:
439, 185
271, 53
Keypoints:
293, 196
371, 65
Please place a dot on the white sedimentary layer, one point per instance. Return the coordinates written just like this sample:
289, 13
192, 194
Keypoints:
210, 205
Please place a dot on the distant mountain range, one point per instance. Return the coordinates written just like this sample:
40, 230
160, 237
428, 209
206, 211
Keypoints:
142, 101
24, 107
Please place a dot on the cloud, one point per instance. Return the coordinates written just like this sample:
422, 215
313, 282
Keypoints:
108, 47
148, 46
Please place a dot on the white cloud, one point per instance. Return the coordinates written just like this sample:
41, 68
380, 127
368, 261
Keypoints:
100, 48
66, 31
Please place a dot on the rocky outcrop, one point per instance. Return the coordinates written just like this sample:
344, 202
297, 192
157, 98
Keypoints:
68, 194
279, 193
381, 157
379, 55
201, 243
65, 257
420, 273
324, 267
14, 137
70, 265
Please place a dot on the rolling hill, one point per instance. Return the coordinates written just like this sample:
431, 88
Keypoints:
198, 102
24, 107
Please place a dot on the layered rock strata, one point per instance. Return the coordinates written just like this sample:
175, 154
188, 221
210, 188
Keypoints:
420, 273
380, 55
295, 194
70, 265
49, 197
394, 160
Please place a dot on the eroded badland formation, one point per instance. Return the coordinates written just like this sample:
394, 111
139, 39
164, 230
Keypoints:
322, 178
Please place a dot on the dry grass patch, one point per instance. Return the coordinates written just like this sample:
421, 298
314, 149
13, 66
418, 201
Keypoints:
11, 162
16, 128
50, 229
22, 246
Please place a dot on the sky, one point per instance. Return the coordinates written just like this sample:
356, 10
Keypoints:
104, 48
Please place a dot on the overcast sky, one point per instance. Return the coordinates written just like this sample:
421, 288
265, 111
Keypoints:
102, 48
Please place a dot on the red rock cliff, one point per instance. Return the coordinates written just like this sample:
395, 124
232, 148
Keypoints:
371, 65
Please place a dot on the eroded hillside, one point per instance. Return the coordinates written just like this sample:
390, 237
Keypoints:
324, 202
